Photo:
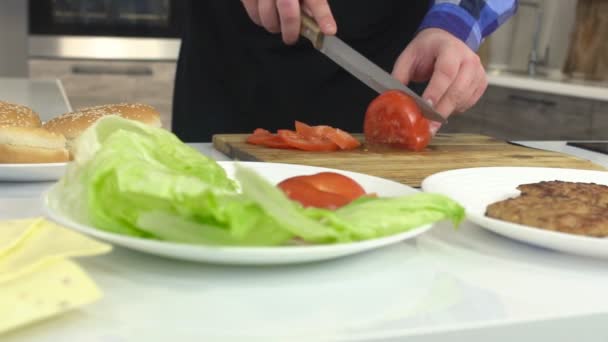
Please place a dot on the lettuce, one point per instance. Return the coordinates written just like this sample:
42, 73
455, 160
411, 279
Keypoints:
132, 179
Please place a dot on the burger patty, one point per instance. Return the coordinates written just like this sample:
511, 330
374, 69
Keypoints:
576, 208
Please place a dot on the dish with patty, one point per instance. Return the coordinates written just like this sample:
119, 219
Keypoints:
568, 207
555, 208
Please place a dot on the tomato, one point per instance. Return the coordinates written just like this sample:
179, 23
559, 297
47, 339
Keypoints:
341, 138
323, 190
265, 138
334, 183
307, 138
261, 131
394, 118
309, 196
298, 141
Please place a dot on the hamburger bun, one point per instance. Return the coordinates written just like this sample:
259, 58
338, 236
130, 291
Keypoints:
72, 124
18, 116
31, 145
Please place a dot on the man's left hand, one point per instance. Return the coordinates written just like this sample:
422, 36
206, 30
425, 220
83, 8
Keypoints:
457, 77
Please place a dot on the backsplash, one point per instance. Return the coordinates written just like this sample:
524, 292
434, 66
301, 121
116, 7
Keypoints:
588, 54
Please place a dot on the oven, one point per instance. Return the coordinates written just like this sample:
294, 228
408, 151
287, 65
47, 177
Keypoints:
105, 29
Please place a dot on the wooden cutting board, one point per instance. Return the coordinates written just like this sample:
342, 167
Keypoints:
446, 152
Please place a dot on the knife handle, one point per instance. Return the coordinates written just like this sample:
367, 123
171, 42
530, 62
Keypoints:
311, 31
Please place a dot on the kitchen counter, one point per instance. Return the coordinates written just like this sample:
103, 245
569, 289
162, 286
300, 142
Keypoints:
445, 285
558, 85
46, 97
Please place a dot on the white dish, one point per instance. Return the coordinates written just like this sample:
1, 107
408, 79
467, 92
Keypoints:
36, 172
255, 255
476, 188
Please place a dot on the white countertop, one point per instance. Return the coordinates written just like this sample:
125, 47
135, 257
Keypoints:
467, 284
572, 88
464, 285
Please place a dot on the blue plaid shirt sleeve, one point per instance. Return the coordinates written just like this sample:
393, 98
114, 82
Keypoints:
469, 20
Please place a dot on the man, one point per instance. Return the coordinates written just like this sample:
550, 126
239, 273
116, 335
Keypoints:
242, 65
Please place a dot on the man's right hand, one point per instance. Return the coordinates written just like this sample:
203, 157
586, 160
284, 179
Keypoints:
284, 16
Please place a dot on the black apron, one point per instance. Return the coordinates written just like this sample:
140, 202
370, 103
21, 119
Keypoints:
233, 76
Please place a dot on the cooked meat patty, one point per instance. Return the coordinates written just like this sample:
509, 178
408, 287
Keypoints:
576, 208
595, 194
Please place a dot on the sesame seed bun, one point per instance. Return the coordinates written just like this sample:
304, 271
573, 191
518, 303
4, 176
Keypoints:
17, 115
72, 124
31, 145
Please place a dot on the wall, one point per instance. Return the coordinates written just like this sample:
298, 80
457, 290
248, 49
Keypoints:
509, 47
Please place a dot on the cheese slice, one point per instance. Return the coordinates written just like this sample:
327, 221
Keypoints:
40, 242
55, 288
11, 232
37, 280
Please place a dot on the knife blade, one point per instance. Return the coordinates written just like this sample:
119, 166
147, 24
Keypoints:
360, 67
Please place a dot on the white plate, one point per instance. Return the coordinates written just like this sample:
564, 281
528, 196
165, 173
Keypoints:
255, 255
36, 172
476, 188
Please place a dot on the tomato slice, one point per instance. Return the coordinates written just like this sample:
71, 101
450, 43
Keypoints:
309, 196
307, 131
265, 138
335, 183
298, 141
341, 138
261, 131
328, 190
394, 118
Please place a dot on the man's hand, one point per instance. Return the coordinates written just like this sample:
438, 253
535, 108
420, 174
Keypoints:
284, 16
457, 77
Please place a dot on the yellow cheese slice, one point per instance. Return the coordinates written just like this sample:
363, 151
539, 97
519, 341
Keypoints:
41, 242
11, 232
55, 288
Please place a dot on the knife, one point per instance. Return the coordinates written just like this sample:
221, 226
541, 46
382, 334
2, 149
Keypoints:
359, 66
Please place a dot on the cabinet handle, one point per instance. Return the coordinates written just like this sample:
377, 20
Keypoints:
531, 100
112, 70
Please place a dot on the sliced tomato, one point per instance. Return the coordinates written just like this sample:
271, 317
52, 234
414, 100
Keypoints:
394, 118
265, 138
334, 183
309, 196
328, 190
341, 138
298, 141
307, 131
261, 131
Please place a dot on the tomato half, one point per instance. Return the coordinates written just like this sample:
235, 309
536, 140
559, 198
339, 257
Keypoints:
394, 118
323, 190
298, 141
341, 138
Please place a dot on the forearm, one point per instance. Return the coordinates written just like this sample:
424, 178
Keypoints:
469, 20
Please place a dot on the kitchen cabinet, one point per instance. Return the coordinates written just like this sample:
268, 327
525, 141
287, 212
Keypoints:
514, 114
94, 82
599, 121
518, 114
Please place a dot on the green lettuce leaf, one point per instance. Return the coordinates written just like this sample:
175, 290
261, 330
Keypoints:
132, 179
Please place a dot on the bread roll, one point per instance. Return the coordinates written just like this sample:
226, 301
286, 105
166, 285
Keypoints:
18, 116
72, 124
31, 145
